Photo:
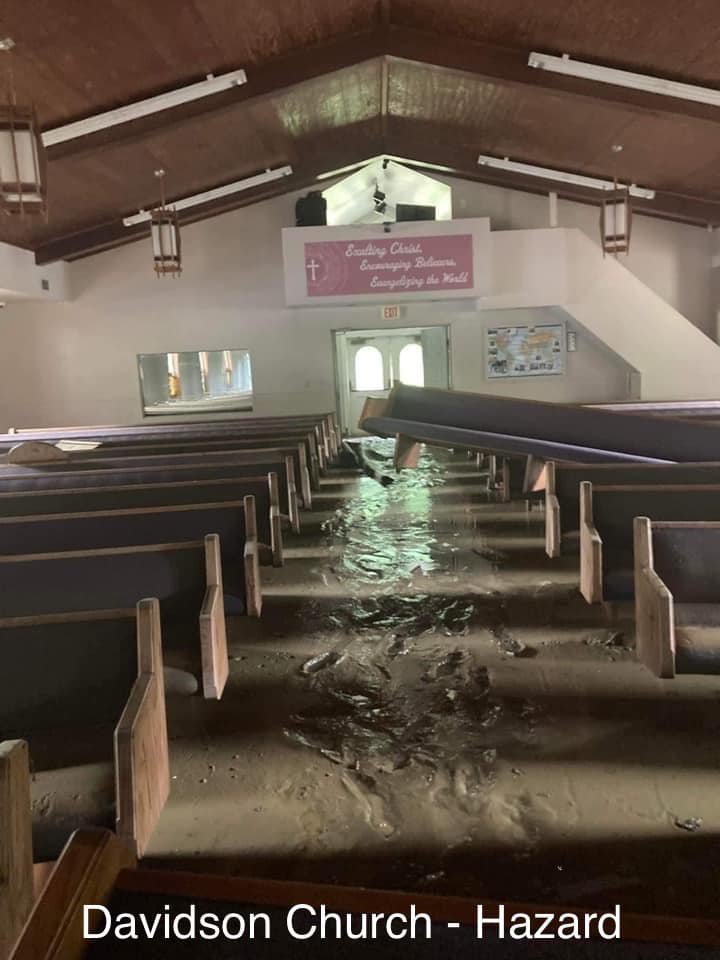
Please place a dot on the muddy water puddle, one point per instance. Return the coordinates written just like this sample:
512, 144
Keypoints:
428, 703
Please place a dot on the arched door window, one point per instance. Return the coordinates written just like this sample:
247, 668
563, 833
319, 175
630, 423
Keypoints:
369, 369
411, 366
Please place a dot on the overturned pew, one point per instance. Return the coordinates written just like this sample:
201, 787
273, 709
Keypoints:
560, 484
233, 521
185, 577
677, 596
105, 668
606, 529
547, 430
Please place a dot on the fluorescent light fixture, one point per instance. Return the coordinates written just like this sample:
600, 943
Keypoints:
216, 194
143, 108
624, 78
578, 180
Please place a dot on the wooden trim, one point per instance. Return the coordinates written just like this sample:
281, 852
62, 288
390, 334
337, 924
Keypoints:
16, 859
122, 487
373, 407
213, 636
177, 883
590, 549
275, 521
505, 480
305, 484
292, 495
142, 763
253, 588
86, 872
552, 525
654, 607
103, 551
125, 512
492, 471
534, 473
79, 616
407, 452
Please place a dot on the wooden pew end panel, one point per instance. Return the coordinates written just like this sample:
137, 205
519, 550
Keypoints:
590, 549
16, 862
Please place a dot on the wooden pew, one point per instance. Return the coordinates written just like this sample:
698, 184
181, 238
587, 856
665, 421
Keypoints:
96, 869
677, 596
186, 578
233, 521
122, 495
325, 425
16, 855
560, 483
105, 665
194, 438
606, 529
287, 462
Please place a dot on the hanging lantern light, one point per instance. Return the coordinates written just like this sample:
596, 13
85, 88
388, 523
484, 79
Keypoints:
616, 217
23, 164
165, 232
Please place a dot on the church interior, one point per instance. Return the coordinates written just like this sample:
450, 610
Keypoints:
359, 478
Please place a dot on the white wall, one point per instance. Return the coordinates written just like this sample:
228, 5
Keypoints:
76, 362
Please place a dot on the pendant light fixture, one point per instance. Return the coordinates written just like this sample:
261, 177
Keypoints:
165, 233
23, 165
616, 216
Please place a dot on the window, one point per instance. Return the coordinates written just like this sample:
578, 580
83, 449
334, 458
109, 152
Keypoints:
411, 366
198, 381
369, 369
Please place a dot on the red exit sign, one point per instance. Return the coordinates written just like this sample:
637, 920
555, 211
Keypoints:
391, 313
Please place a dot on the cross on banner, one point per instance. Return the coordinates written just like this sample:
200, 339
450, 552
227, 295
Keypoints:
313, 266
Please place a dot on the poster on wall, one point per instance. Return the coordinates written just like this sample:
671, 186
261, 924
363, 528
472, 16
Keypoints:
527, 351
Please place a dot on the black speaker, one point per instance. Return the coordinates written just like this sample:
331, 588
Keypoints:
413, 211
311, 210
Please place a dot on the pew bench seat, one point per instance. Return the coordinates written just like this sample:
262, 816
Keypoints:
186, 577
607, 515
101, 670
677, 596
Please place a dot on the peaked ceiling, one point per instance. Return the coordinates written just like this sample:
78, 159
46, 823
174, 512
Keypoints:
331, 83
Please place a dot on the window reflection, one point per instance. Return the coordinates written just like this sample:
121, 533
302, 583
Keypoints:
195, 381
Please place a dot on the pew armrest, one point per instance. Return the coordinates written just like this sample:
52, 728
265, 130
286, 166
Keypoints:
213, 643
142, 769
590, 563
277, 537
552, 525
253, 588
655, 623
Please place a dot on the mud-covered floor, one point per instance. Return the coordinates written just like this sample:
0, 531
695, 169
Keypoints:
428, 704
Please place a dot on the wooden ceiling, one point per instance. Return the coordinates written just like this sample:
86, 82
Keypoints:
332, 83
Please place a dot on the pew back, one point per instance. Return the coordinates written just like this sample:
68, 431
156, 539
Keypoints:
561, 483
119, 496
610, 512
233, 521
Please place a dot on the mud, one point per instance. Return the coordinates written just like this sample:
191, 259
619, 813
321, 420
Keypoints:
427, 703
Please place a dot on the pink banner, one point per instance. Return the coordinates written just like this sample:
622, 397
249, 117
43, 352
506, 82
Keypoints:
389, 265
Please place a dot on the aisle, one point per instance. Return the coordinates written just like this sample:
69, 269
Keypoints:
428, 704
